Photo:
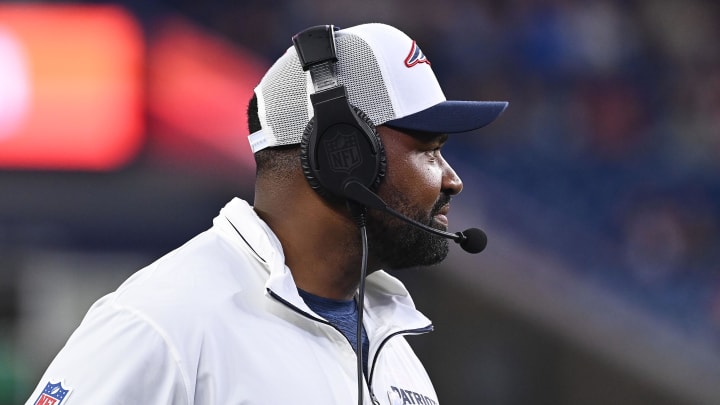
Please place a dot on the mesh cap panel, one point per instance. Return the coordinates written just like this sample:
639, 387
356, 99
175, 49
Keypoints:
360, 73
284, 100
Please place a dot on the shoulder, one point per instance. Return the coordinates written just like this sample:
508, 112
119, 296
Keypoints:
192, 279
206, 279
190, 291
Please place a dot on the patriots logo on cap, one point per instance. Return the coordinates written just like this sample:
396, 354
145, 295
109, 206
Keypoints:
53, 394
415, 56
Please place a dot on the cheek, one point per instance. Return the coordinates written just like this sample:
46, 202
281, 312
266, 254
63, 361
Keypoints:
418, 181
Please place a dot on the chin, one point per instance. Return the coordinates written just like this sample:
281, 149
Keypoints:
424, 254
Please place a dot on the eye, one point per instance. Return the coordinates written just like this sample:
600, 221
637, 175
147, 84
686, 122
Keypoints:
434, 153
430, 145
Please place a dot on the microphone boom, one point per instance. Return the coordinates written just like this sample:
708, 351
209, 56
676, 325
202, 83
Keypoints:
472, 240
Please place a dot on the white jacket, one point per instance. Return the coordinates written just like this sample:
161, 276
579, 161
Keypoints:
219, 321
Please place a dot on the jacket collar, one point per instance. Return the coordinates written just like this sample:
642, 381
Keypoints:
239, 221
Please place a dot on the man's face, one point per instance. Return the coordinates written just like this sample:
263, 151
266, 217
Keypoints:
418, 184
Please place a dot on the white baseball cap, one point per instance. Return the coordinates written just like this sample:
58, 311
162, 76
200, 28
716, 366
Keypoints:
386, 75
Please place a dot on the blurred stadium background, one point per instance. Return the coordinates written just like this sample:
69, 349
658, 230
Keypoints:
122, 133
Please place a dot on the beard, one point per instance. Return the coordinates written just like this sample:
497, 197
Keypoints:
395, 244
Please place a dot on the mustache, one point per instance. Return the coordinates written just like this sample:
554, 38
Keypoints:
442, 201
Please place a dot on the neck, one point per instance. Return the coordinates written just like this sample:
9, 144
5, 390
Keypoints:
320, 241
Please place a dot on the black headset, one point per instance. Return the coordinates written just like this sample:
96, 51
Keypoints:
340, 144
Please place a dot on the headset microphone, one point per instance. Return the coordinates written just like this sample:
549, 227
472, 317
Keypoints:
472, 240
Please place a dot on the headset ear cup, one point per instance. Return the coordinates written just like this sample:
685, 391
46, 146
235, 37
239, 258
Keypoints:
379, 161
305, 160
375, 140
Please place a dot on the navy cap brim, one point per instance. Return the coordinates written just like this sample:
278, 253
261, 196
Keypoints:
451, 117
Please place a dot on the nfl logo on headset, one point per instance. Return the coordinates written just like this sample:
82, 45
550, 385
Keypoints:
344, 151
53, 394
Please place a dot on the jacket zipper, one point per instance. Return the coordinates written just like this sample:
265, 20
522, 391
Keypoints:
368, 380
324, 322
418, 331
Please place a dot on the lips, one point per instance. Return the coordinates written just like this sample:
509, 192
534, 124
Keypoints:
439, 212
441, 215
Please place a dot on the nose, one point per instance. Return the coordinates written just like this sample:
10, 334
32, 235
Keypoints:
451, 182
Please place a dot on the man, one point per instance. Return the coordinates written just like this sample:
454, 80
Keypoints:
261, 308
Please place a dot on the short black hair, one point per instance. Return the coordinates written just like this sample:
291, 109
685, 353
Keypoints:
252, 114
277, 159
